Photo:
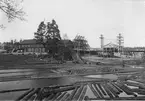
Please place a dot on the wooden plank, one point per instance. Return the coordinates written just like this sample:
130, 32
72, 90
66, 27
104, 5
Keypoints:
83, 93
23, 95
108, 91
93, 90
101, 95
77, 94
102, 90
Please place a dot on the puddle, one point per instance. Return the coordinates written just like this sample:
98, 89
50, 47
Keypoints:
137, 67
16, 70
106, 76
11, 95
35, 83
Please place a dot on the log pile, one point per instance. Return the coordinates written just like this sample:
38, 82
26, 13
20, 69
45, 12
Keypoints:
106, 90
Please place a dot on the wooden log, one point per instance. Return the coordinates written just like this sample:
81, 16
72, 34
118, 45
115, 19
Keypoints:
56, 96
77, 94
120, 82
58, 86
48, 91
138, 90
142, 86
102, 90
141, 93
73, 93
49, 97
100, 94
94, 92
120, 98
32, 98
87, 98
39, 95
108, 91
62, 89
113, 88
31, 94
14, 90
126, 89
61, 96
83, 93
116, 87
65, 97
23, 95
112, 91
139, 81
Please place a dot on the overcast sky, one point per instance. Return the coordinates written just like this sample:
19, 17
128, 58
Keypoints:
89, 18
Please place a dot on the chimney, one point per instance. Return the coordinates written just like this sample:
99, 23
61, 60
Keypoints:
102, 41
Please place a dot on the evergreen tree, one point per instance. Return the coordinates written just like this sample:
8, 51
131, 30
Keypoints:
48, 35
40, 34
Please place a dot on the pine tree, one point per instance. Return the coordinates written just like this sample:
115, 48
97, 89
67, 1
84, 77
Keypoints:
40, 34
48, 35
53, 31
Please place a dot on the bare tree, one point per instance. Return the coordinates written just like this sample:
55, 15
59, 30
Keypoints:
80, 42
12, 9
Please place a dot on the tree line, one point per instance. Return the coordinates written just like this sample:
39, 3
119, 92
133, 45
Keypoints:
48, 34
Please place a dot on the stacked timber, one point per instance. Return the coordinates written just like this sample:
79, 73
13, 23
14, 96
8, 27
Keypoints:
79, 92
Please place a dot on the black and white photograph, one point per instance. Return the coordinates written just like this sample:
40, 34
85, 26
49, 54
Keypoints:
72, 50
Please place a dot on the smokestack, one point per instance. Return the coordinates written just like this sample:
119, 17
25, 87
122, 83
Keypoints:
102, 41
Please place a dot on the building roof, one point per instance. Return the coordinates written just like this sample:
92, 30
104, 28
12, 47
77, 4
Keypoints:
110, 45
28, 41
96, 49
33, 41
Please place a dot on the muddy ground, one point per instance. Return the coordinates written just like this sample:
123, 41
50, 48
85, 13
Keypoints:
35, 76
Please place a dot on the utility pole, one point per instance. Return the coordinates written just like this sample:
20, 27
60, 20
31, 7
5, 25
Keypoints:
102, 40
120, 42
102, 43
